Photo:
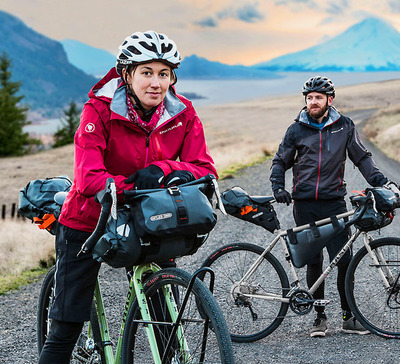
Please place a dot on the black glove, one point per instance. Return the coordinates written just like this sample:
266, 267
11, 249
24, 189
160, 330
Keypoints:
176, 178
282, 196
149, 177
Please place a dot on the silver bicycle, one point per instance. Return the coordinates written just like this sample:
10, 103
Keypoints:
255, 293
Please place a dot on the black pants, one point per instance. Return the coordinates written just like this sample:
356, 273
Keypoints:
306, 211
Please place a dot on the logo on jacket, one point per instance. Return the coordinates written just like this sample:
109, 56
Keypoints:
171, 128
89, 127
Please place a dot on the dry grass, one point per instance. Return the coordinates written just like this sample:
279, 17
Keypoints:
23, 246
237, 134
384, 130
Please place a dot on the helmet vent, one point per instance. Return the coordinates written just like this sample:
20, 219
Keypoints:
151, 47
134, 50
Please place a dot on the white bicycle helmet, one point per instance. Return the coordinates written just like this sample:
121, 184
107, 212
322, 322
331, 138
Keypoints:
319, 84
145, 47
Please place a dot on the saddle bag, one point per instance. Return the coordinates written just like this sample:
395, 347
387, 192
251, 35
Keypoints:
239, 204
306, 244
37, 201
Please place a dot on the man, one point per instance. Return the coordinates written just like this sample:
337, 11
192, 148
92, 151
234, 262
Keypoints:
315, 146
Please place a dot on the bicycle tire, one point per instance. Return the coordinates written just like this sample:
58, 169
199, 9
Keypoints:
135, 347
366, 294
230, 263
80, 353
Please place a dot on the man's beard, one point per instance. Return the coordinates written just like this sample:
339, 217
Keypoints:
316, 113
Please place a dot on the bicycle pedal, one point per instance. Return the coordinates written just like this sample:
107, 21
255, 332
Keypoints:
321, 303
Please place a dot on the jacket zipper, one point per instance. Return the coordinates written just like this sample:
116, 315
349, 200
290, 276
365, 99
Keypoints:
319, 164
147, 149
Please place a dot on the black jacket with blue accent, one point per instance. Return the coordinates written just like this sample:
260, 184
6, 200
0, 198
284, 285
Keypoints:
318, 157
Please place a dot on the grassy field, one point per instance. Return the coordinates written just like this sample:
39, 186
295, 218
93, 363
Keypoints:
237, 134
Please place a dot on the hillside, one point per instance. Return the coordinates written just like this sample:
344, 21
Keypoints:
91, 60
49, 81
371, 45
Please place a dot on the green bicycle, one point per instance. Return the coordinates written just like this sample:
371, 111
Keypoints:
169, 311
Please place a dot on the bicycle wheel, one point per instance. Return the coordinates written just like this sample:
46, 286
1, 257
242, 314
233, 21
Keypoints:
87, 348
248, 319
376, 307
217, 346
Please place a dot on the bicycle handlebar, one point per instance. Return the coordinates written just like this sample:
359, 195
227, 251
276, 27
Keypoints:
129, 194
107, 199
367, 199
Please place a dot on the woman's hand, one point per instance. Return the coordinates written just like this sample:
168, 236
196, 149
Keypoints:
149, 177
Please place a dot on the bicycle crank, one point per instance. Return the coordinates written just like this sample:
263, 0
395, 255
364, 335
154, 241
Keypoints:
301, 302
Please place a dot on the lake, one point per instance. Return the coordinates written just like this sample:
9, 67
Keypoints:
214, 92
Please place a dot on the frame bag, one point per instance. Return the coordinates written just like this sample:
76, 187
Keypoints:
306, 244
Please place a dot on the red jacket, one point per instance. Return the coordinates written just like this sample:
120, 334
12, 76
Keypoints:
107, 145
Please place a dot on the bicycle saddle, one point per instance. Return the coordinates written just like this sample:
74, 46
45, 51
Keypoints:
261, 199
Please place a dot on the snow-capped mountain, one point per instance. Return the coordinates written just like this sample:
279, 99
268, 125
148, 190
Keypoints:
371, 45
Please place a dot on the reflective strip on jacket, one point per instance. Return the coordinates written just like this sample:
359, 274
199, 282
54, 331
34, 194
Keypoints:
318, 158
107, 145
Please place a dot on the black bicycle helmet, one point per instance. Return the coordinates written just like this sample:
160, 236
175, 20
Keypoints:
319, 84
145, 47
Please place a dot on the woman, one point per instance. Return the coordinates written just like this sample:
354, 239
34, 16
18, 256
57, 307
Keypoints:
134, 129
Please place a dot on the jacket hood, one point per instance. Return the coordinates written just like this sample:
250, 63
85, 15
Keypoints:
304, 118
112, 89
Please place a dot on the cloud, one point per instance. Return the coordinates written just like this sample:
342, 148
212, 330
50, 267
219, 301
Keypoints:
394, 5
208, 22
248, 13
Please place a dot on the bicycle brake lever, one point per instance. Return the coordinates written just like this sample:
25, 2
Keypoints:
220, 204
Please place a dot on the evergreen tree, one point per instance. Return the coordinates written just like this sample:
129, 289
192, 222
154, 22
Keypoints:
13, 141
70, 122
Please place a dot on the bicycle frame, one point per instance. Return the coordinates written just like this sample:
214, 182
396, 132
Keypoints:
136, 291
295, 282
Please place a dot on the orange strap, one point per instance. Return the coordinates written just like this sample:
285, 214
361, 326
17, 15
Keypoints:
45, 222
245, 210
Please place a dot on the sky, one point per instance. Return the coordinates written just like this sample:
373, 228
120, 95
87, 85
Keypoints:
229, 31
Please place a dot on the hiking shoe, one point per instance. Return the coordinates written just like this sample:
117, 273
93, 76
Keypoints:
352, 326
319, 327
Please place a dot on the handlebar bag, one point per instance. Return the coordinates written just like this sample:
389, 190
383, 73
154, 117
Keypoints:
306, 244
239, 204
172, 212
120, 246
372, 219
385, 199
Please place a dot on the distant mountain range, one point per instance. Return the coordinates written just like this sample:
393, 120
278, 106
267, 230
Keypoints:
96, 61
53, 73
371, 45
91, 60
49, 81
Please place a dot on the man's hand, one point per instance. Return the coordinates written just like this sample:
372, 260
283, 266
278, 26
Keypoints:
282, 196
149, 177
178, 177
392, 186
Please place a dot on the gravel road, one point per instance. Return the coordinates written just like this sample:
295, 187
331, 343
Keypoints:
290, 343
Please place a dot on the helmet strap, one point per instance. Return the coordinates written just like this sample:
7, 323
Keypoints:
146, 114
